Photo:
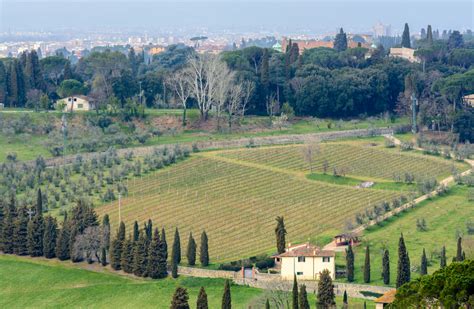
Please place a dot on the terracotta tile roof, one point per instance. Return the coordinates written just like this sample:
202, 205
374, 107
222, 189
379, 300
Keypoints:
306, 250
387, 298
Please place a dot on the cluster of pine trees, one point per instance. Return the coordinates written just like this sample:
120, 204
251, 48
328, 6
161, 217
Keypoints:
145, 252
25, 231
403, 266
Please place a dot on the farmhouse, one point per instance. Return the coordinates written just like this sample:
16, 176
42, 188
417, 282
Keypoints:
405, 53
469, 99
305, 261
76, 103
385, 300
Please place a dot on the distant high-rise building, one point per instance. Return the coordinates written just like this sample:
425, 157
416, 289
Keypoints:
380, 29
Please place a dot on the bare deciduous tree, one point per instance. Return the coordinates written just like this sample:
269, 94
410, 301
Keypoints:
88, 244
179, 83
309, 153
247, 91
225, 85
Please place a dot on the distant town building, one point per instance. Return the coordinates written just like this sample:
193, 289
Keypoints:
76, 103
309, 44
385, 300
305, 261
405, 53
277, 47
380, 29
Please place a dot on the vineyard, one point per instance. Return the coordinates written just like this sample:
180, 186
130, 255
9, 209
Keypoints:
235, 196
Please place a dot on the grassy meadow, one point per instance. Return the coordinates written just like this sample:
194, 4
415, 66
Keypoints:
446, 218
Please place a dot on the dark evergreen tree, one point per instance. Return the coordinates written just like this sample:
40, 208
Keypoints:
280, 233
49, 237
116, 254
3, 89
294, 294
367, 265
36, 230
62, 246
136, 232
103, 257
344, 299
39, 203
176, 250
121, 232
180, 299
403, 269
303, 298
164, 243
340, 42
204, 250
267, 304
126, 261
174, 269
459, 255
67, 71
8, 227
386, 267
406, 41
106, 232
202, 299
226, 297
442, 263
191, 252
350, 263
162, 255
326, 296
429, 35
424, 264
264, 72
140, 256
20, 234
455, 40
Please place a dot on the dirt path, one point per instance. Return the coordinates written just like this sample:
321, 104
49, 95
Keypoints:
445, 182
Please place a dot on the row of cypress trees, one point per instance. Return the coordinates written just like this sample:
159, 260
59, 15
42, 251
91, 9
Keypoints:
403, 267
325, 297
180, 298
145, 253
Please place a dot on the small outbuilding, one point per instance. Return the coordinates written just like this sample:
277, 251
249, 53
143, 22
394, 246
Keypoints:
76, 103
385, 300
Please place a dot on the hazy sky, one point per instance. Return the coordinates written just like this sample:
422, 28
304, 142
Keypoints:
241, 15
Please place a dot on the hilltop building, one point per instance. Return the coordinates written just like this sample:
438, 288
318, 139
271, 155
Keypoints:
305, 261
404, 53
76, 103
309, 44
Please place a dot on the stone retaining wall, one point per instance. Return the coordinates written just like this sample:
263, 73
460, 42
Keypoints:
207, 273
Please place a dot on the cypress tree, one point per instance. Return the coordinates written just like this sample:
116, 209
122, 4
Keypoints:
386, 267
140, 256
406, 37
136, 232
49, 237
267, 304
164, 244
176, 251
121, 232
180, 299
162, 256
202, 299
35, 234
149, 230
174, 269
326, 296
39, 203
340, 42
106, 232
264, 72
303, 298
154, 256
294, 294
344, 300
191, 252
459, 255
226, 298
403, 269
8, 227
350, 263
126, 260
62, 245
67, 71
20, 235
367, 265
442, 262
424, 264
429, 35
103, 257
2, 205
280, 233
204, 250
3, 92
116, 254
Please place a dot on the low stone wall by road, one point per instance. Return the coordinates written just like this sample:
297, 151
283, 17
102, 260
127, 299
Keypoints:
233, 143
207, 273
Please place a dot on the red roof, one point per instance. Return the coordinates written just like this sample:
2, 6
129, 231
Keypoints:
306, 250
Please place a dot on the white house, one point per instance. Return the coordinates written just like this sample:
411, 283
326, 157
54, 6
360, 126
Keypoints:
306, 261
76, 103
405, 53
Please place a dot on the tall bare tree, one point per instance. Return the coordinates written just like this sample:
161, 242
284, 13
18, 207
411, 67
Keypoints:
180, 85
225, 84
235, 102
247, 91
309, 154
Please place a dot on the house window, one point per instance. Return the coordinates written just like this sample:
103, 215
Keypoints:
326, 259
75, 99
301, 259
69, 99
299, 273
80, 105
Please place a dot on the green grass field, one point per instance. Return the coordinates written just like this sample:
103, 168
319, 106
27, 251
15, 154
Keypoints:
39, 283
235, 196
446, 218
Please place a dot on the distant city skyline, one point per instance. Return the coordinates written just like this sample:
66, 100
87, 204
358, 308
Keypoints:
280, 16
